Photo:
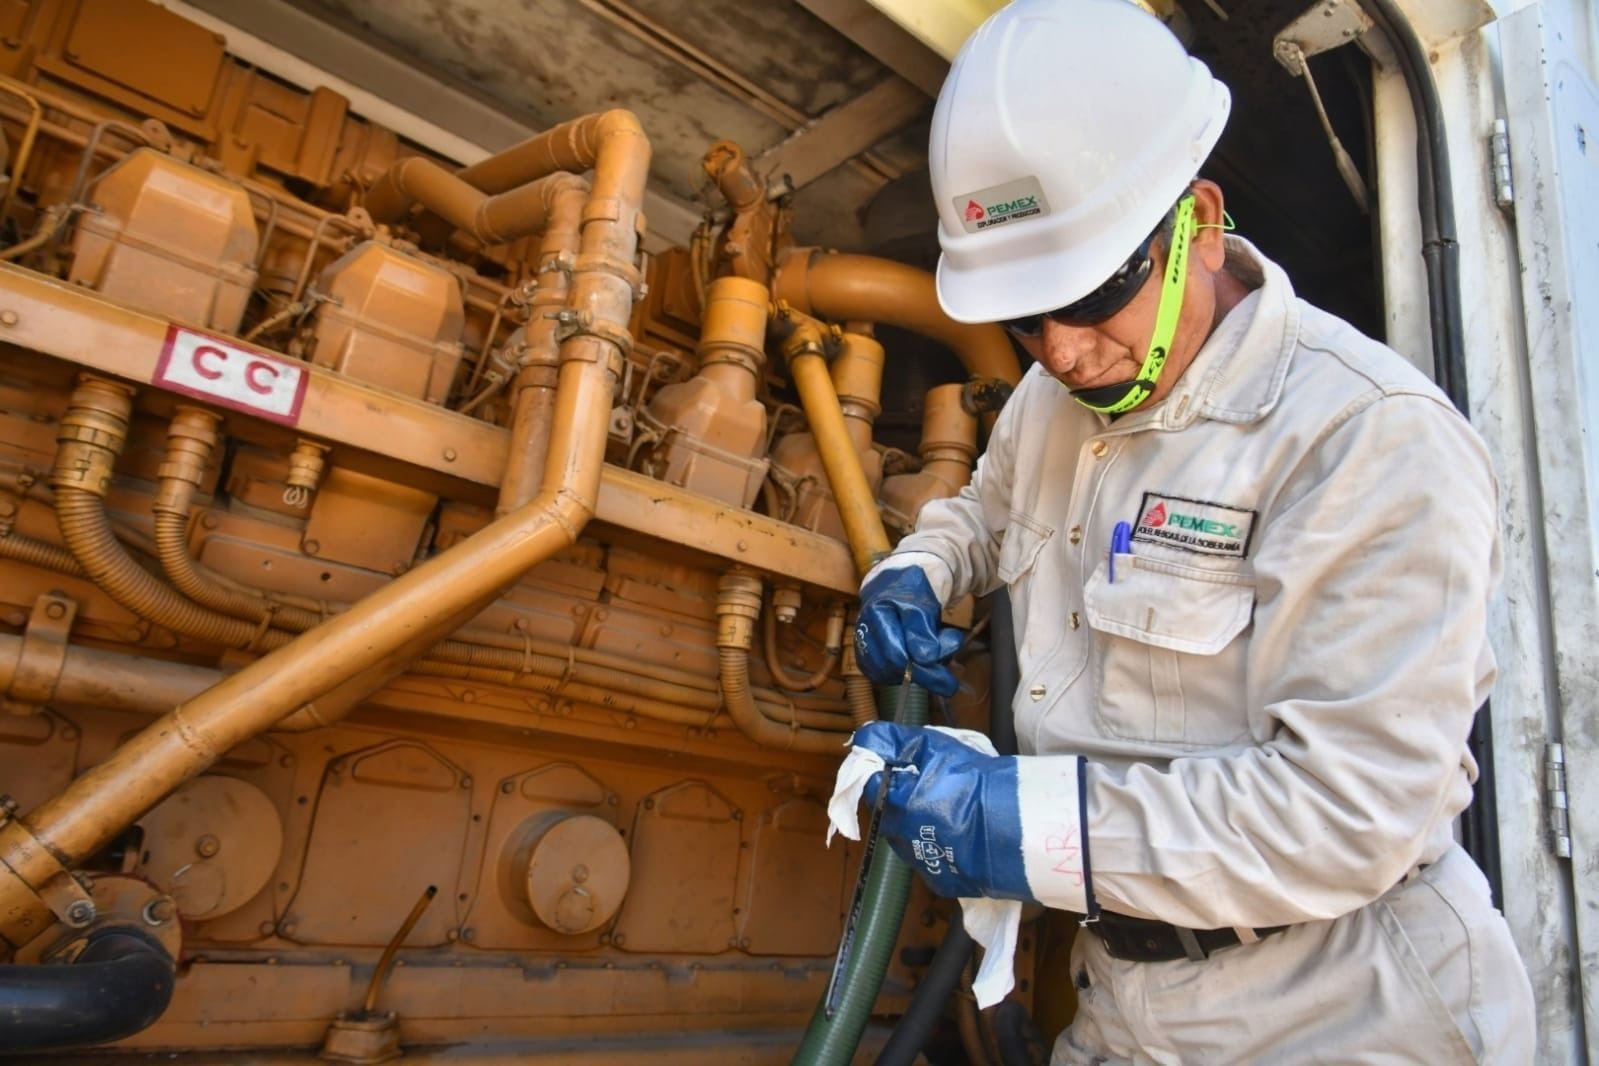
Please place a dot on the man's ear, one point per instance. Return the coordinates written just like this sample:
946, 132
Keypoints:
1208, 245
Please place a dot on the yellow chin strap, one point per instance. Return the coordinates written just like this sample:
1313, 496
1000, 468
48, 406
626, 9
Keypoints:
1126, 395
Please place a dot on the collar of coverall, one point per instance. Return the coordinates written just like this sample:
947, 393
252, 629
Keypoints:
1238, 374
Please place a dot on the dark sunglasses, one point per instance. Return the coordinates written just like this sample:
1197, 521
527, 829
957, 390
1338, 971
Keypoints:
1099, 305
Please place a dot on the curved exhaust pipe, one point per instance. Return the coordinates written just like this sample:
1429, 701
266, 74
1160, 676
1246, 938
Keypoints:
118, 985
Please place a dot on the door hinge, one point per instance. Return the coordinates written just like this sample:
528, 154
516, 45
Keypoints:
1499, 154
1556, 815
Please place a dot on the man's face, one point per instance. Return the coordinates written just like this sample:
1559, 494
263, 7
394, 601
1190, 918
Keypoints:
1112, 351
1085, 357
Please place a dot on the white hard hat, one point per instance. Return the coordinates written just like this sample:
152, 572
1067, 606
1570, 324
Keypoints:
1065, 131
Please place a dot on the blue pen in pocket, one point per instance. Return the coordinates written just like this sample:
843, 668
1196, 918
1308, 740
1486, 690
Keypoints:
1121, 543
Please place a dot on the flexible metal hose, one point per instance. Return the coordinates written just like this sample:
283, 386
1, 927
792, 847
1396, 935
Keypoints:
38, 553
862, 701
84, 526
793, 736
171, 539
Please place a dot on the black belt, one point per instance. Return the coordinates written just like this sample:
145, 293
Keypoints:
1142, 940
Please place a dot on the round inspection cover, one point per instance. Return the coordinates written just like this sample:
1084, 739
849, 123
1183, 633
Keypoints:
212, 844
577, 874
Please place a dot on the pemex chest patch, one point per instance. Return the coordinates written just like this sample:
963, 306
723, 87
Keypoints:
999, 204
1194, 525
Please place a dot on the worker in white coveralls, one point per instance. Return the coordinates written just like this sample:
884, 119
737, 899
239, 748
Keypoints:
1243, 730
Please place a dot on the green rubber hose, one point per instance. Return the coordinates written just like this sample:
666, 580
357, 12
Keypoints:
832, 1041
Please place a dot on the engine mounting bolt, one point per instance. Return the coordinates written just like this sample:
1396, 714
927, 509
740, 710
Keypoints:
449, 455
159, 911
507, 787
207, 846
619, 939
469, 934
312, 547
80, 912
8, 318
54, 610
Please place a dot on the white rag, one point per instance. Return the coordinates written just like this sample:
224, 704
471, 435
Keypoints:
993, 923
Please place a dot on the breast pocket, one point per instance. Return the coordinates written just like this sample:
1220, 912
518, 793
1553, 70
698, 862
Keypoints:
1169, 652
1017, 567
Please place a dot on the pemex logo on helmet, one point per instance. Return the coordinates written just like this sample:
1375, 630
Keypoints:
1156, 515
974, 211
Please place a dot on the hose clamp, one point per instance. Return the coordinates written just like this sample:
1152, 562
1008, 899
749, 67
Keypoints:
570, 323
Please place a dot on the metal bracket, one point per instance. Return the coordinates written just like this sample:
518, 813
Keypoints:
1556, 815
58, 891
1327, 25
44, 651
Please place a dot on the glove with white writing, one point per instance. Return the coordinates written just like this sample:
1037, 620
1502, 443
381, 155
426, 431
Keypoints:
1001, 826
899, 625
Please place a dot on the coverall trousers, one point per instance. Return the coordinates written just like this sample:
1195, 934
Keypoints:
1426, 974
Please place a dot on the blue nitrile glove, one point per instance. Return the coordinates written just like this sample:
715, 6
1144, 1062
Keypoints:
898, 625
1001, 826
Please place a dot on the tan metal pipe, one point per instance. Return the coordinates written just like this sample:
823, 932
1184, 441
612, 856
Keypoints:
948, 451
774, 665
804, 344
845, 288
30, 131
42, 847
572, 146
726, 165
500, 219
533, 391
90, 677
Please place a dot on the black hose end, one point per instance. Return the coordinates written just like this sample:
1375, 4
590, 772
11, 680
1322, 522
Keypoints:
1017, 1038
118, 985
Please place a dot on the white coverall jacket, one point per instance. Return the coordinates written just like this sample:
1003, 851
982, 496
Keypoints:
1274, 694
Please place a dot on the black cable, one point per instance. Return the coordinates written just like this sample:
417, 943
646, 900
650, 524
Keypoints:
927, 1003
1441, 252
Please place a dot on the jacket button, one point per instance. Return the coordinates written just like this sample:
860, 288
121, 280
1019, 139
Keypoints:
1073, 621
1099, 448
1075, 534
1036, 692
